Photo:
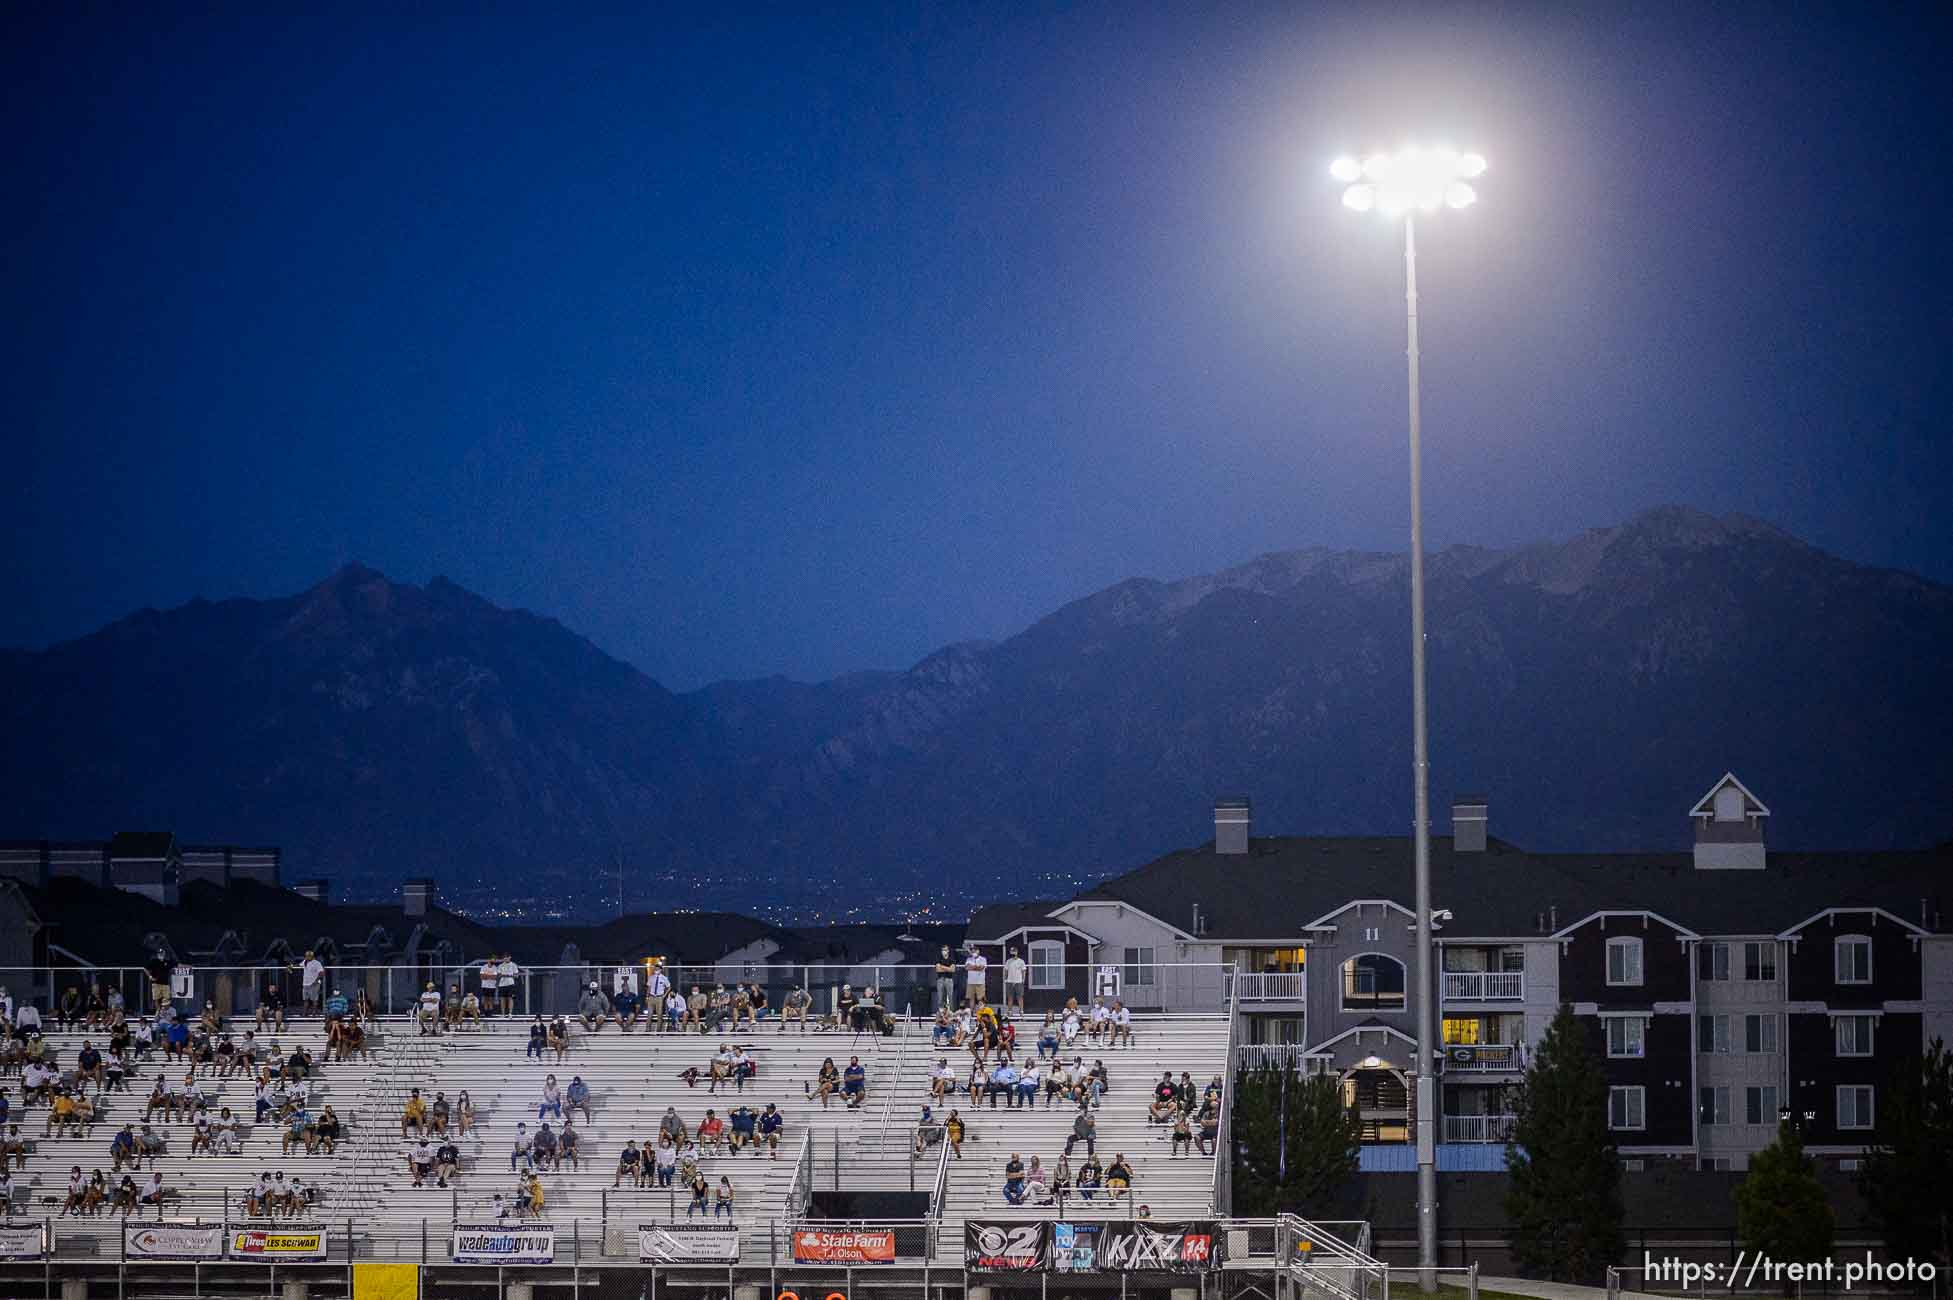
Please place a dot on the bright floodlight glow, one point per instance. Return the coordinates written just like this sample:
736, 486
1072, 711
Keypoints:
1412, 179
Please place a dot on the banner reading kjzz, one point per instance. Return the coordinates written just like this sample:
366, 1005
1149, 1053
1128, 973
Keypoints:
528, 1243
844, 1246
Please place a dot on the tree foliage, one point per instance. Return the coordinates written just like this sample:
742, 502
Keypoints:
1564, 1203
1295, 1142
1781, 1208
1904, 1179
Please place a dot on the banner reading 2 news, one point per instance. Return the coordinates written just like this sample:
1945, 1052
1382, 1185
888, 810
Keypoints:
1091, 1246
529, 1243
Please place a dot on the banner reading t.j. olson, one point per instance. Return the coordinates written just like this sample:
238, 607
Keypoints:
492, 1243
844, 1246
278, 1243
173, 1240
685, 1243
23, 1240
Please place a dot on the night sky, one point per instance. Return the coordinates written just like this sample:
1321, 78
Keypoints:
787, 344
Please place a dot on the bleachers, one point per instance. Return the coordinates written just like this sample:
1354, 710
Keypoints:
632, 1079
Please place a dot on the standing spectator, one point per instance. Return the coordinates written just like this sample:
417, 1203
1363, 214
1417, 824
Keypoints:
945, 980
312, 982
506, 975
657, 991
158, 970
464, 1114
976, 978
1014, 984
490, 978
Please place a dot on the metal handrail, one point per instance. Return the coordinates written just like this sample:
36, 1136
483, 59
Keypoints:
800, 1190
1224, 1135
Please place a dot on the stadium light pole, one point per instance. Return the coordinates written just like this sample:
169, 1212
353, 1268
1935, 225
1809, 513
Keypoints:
1402, 184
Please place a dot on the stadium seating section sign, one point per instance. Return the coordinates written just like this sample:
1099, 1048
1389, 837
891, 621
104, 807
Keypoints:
1091, 1246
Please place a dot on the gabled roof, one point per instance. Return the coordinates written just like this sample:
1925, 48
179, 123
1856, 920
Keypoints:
1706, 805
988, 924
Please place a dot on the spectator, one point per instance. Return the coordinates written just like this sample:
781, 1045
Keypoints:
720, 1013
1057, 1084
1121, 1025
438, 1114
115, 1072
741, 1126
1048, 1037
742, 1007
978, 1082
976, 969
451, 1007
1083, 1129
701, 1195
1096, 1020
89, 1065
743, 1067
854, 1083
1014, 985
1091, 1176
1003, 1082
712, 1132
125, 1194
312, 982
464, 1114
1037, 1187
153, 1191
538, 1037
657, 992
671, 1126
9, 1192
271, 1008
953, 1130
545, 1150
27, 1020
506, 975
1061, 1181
722, 1203
427, 1016
559, 1039
152, 1143
522, 1152
826, 1083
569, 1146
945, 980
336, 1007
122, 1150
593, 1008
1161, 1110
1028, 1081
1014, 1180
471, 1010
413, 1115
943, 1032
447, 1162
665, 1160
771, 1121
795, 1008
93, 1202
1118, 1178
928, 1131
298, 1127
844, 1004
532, 1195
201, 1136
552, 1099
628, 1165
158, 970
420, 1162
77, 1192
624, 1008
695, 1007
942, 1080
225, 1135
757, 996
577, 1098
675, 1008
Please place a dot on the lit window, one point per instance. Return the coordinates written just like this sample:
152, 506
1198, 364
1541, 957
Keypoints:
1462, 1033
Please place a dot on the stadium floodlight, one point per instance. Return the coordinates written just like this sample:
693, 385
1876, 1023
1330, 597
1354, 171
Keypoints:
1414, 179
1346, 169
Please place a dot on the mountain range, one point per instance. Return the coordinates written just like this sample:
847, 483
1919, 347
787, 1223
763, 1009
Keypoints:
1593, 689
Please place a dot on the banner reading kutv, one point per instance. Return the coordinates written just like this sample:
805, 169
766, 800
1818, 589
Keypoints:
683, 1243
532, 1243
1091, 1246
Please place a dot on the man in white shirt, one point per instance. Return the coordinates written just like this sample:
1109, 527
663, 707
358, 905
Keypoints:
657, 993
1121, 1023
1013, 983
976, 977
420, 1161
312, 978
491, 984
429, 1014
1101, 1020
505, 977
27, 1017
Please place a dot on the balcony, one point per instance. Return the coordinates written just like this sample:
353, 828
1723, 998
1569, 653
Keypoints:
1271, 986
1478, 1128
1251, 1056
1484, 986
1487, 1058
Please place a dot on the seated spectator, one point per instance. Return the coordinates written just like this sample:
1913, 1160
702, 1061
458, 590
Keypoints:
1037, 1187
718, 1012
520, 1154
1118, 1177
577, 1098
559, 1039
153, 1144
115, 1072
942, 1080
1091, 1176
741, 1127
757, 997
427, 1013
978, 1082
826, 1083
623, 1009
1028, 1082
1058, 1084
854, 1083
201, 1135
1182, 1134
664, 1160
722, 1203
90, 1066
1121, 1032
437, 1114
1161, 1110
13, 1148
68, 1013
593, 1008
95, 1198
671, 1126
124, 1150
271, 1008
447, 1162
153, 1192
1014, 1180
628, 1165
545, 1151
928, 1131
795, 1007
743, 1067
538, 1037
943, 1032
569, 1147
1061, 1181
675, 1008
298, 1131
1083, 1129
413, 1116
696, 1004
68, 1115
712, 1132
77, 1192
1048, 1037
471, 1010
325, 1133
844, 1004
701, 1190
420, 1162
551, 1102
771, 1121
451, 1007
37, 1083
224, 1133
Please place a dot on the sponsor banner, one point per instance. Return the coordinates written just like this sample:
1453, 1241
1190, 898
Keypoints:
173, 1240
502, 1243
993, 1247
1151, 1246
683, 1243
23, 1240
1075, 1247
846, 1246
278, 1243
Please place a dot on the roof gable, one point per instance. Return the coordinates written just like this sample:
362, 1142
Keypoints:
1706, 805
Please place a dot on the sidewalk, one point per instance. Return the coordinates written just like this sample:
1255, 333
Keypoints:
1526, 1286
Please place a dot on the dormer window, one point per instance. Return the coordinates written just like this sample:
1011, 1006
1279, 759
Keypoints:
1624, 961
1729, 804
1852, 959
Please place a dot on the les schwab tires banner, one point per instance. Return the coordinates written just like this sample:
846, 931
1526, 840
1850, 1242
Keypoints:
530, 1243
278, 1243
854, 1246
1091, 1246
681, 1243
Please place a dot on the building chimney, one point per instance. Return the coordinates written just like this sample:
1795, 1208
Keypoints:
1468, 823
417, 896
318, 891
1232, 819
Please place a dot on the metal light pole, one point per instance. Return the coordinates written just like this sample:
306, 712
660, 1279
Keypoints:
1417, 180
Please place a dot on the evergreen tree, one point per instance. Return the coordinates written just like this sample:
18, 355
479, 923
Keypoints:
1295, 1142
1904, 1178
1781, 1210
1564, 1205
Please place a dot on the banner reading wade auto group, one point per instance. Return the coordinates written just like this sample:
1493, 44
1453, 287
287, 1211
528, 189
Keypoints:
531, 1243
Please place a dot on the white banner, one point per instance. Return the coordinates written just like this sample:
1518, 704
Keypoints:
23, 1240
684, 1243
523, 1243
173, 1240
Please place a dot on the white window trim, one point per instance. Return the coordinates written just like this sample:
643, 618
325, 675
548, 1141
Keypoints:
1765, 948
1628, 943
1342, 985
1055, 979
1722, 1104
1641, 1039
1871, 1097
1626, 1091
1871, 1050
1767, 1114
1837, 947
1768, 1036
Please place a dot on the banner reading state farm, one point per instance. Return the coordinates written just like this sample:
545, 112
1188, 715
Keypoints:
530, 1243
278, 1243
994, 1247
173, 1240
844, 1246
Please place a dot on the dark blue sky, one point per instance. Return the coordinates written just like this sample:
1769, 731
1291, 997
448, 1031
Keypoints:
803, 343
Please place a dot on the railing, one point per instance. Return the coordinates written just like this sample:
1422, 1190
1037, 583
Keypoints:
1271, 986
1224, 1134
939, 1186
1252, 1056
1324, 1258
800, 1191
1486, 1057
1478, 1128
1485, 986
